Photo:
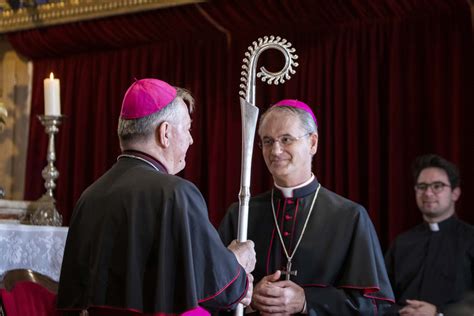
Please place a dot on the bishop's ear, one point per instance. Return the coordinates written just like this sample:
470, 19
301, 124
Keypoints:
162, 134
314, 143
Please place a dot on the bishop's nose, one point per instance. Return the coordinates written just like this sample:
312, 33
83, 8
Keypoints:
277, 147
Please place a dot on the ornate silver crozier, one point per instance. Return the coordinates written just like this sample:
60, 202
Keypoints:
45, 212
249, 112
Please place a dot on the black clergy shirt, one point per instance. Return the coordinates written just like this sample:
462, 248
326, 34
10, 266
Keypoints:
433, 266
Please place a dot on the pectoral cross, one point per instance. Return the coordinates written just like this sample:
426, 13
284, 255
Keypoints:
288, 271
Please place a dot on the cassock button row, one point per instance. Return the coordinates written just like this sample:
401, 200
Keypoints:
288, 217
286, 234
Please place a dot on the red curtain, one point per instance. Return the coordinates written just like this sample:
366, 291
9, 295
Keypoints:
388, 80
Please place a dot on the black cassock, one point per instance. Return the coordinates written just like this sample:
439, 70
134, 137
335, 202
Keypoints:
433, 266
339, 262
141, 240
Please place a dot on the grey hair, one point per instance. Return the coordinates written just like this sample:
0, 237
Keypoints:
306, 120
141, 129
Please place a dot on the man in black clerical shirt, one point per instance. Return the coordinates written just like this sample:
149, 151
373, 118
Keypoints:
317, 252
140, 240
431, 266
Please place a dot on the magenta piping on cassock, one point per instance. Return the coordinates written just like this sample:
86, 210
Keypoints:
295, 216
221, 290
271, 240
247, 284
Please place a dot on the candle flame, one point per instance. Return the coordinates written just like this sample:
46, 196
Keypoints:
51, 76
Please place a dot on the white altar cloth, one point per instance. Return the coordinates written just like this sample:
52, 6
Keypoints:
39, 248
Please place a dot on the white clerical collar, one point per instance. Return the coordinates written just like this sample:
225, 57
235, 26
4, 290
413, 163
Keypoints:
288, 191
434, 227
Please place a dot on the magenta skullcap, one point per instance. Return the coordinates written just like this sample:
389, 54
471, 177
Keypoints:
297, 104
145, 97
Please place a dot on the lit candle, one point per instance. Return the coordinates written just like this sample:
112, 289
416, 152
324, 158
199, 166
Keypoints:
51, 96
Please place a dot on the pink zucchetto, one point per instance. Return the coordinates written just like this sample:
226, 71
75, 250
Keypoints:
297, 104
145, 97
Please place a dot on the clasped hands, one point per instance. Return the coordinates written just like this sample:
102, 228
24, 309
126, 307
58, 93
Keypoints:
418, 308
272, 296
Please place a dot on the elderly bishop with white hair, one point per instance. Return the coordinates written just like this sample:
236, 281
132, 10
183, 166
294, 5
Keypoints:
140, 241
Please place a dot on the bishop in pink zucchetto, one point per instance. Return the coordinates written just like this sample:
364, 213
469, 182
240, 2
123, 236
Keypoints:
143, 203
297, 104
297, 220
145, 97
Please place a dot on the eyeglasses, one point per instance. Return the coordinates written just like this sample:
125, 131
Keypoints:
285, 140
436, 187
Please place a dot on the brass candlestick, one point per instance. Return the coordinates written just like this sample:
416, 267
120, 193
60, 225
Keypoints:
46, 212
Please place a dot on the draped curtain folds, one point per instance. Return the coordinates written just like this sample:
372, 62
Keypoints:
388, 80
